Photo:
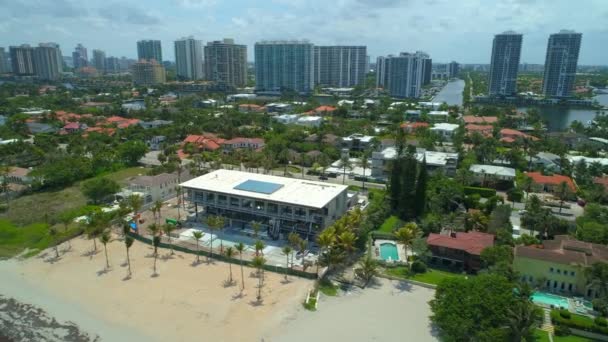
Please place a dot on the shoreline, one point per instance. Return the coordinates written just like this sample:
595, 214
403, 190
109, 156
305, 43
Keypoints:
184, 301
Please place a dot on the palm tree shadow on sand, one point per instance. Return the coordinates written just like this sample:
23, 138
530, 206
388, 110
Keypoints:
103, 271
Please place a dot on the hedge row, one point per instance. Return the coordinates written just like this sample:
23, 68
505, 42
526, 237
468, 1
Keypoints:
224, 258
483, 192
578, 322
376, 234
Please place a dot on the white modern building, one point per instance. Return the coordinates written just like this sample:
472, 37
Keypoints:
281, 204
189, 59
486, 173
438, 115
444, 161
445, 130
357, 142
310, 121
287, 119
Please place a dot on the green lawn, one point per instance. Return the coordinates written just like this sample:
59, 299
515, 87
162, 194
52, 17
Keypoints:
32, 208
431, 276
541, 336
570, 338
389, 224
327, 288
13, 240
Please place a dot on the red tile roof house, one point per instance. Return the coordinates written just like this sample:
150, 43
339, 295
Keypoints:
322, 110
247, 143
205, 142
411, 127
122, 122
248, 108
508, 135
459, 249
603, 181
485, 130
551, 183
74, 127
471, 119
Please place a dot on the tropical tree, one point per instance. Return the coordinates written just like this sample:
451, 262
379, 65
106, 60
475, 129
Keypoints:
258, 262
294, 242
230, 252
53, 234
105, 238
178, 192
286, 251
135, 203
526, 184
406, 236
597, 276
240, 247
168, 228
197, 235
259, 246
154, 231
256, 226
364, 162
326, 239
157, 207
128, 243
215, 223
344, 164
156, 242
562, 194
521, 319
368, 269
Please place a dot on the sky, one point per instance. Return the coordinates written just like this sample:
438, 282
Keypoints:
460, 30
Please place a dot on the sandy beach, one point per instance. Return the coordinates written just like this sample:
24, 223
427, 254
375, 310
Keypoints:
185, 302
386, 311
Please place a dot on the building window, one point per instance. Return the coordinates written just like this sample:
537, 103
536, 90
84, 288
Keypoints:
210, 197
563, 285
570, 287
555, 284
558, 271
551, 270
572, 273
548, 285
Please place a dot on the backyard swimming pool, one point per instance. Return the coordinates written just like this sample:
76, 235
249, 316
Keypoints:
388, 251
549, 299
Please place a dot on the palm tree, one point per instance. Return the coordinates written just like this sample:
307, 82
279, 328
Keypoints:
258, 262
406, 235
286, 251
368, 269
345, 163
364, 162
93, 232
214, 223
259, 246
230, 252
105, 238
526, 184
157, 207
597, 277
520, 320
256, 226
562, 193
154, 230
294, 242
347, 241
53, 234
135, 202
128, 243
178, 191
168, 228
156, 242
326, 239
66, 220
240, 247
197, 235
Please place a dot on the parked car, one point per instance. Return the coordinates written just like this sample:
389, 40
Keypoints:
323, 178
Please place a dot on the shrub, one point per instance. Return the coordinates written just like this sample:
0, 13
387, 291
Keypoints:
483, 192
601, 321
565, 313
515, 195
562, 330
418, 267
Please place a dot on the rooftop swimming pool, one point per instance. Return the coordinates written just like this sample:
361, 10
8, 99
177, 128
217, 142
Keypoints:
388, 252
549, 299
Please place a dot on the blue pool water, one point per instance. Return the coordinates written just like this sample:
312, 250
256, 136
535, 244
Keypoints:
388, 251
550, 299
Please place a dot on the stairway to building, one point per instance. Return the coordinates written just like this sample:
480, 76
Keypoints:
547, 325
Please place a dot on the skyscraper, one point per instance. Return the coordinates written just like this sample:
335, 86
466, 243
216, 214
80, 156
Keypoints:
382, 66
189, 59
427, 67
147, 72
560, 63
46, 61
453, 69
112, 65
22, 59
340, 66
284, 65
99, 61
59, 54
404, 74
226, 63
80, 57
3, 61
506, 51
150, 49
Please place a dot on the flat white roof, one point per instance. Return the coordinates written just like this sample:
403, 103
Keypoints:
493, 170
602, 140
438, 112
445, 127
299, 192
